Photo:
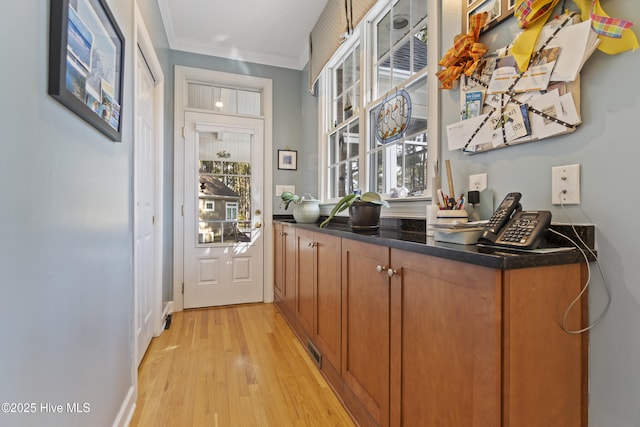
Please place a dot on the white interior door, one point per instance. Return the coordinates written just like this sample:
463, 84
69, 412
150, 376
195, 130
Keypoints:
223, 202
144, 205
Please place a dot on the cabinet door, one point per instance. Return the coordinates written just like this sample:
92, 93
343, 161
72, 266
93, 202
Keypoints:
289, 268
545, 366
278, 261
305, 271
445, 343
327, 332
365, 326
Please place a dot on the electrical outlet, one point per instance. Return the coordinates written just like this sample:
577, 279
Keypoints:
478, 182
565, 185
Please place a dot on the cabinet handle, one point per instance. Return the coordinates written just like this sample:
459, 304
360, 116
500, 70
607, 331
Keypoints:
391, 272
380, 268
314, 244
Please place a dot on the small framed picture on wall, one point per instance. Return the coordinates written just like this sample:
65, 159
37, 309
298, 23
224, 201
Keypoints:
86, 63
288, 159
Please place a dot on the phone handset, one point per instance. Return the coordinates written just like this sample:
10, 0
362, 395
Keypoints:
510, 204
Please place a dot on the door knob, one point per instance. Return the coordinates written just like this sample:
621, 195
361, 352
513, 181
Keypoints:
380, 268
391, 272
258, 225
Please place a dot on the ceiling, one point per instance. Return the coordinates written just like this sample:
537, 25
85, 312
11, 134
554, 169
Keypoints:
270, 32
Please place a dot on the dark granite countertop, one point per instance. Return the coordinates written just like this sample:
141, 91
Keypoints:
407, 235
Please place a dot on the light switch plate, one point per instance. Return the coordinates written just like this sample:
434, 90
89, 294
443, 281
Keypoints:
478, 182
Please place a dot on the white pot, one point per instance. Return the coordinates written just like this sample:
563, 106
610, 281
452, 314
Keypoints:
307, 211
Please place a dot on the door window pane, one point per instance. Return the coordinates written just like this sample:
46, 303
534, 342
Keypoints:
224, 177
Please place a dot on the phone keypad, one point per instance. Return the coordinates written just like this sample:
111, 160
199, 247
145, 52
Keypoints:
495, 220
519, 232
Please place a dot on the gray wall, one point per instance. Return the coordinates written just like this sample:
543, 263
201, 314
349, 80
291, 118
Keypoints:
66, 246
606, 145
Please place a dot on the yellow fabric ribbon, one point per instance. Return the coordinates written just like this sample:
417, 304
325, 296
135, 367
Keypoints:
463, 57
608, 45
533, 14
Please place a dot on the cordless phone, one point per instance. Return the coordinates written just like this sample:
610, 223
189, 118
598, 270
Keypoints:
499, 218
521, 230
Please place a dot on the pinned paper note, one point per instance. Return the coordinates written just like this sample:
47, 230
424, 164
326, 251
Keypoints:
560, 115
469, 133
511, 124
506, 78
578, 42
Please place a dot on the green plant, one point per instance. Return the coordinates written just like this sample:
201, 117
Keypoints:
287, 197
350, 199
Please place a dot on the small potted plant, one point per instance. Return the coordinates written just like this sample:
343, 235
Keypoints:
306, 209
364, 210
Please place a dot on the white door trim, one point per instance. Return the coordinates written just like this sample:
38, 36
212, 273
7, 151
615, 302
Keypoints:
143, 41
182, 76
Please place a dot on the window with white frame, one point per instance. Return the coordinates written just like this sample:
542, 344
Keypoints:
394, 51
400, 43
231, 211
344, 132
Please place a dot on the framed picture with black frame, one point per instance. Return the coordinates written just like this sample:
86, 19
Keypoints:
288, 159
86, 62
498, 11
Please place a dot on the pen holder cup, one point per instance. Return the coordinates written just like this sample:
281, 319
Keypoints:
450, 216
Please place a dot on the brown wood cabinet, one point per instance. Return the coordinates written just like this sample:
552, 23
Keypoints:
284, 266
365, 329
544, 370
445, 342
305, 279
423, 340
327, 332
318, 306
278, 261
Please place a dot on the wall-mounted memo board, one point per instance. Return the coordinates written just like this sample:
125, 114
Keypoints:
498, 10
500, 106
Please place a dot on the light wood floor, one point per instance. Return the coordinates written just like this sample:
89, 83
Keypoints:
232, 367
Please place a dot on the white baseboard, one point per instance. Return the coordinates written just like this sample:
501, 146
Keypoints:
126, 410
168, 309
